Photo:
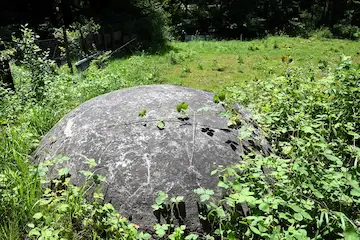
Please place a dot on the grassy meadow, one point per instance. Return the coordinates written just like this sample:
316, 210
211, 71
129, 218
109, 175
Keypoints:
302, 92
213, 65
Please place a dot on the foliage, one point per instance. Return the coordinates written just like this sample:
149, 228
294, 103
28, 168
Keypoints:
35, 60
102, 60
309, 114
308, 187
250, 19
65, 212
347, 31
76, 33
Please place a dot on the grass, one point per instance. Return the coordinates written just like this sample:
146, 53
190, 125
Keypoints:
211, 66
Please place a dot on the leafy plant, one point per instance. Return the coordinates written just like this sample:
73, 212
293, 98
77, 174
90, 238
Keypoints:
307, 187
160, 125
65, 211
35, 60
142, 113
182, 107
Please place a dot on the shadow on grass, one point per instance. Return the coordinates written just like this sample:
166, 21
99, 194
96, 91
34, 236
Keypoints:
138, 49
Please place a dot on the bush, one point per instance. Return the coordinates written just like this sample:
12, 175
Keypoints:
35, 60
308, 187
76, 33
322, 33
346, 31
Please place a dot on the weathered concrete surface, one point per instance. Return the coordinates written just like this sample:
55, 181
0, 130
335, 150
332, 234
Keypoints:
137, 157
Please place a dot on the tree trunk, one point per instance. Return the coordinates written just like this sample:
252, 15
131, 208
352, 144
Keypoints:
5, 75
84, 45
67, 52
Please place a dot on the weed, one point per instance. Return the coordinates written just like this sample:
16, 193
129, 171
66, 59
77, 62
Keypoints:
201, 66
253, 48
276, 45
186, 69
240, 60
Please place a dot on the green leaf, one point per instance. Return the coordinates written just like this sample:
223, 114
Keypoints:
37, 215
265, 207
63, 171
160, 199
144, 236
334, 159
63, 207
355, 192
255, 230
160, 230
142, 113
306, 215
31, 225
160, 125
296, 208
220, 212
177, 199
86, 173
222, 96
351, 234
34, 232
156, 207
182, 107
298, 217
307, 129
191, 236
91, 162
223, 185
317, 194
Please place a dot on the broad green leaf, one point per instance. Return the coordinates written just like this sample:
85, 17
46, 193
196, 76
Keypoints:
144, 236
34, 232
222, 185
160, 125
306, 215
355, 192
156, 207
91, 162
63, 207
182, 107
255, 230
222, 96
351, 234
191, 236
63, 171
37, 215
265, 207
31, 225
298, 216
296, 208
220, 212
317, 194
334, 159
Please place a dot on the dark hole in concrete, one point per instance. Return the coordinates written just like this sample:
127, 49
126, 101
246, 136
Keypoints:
225, 130
232, 144
183, 119
208, 131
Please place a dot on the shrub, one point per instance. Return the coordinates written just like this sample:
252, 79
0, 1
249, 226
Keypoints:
322, 33
346, 31
35, 60
308, 187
